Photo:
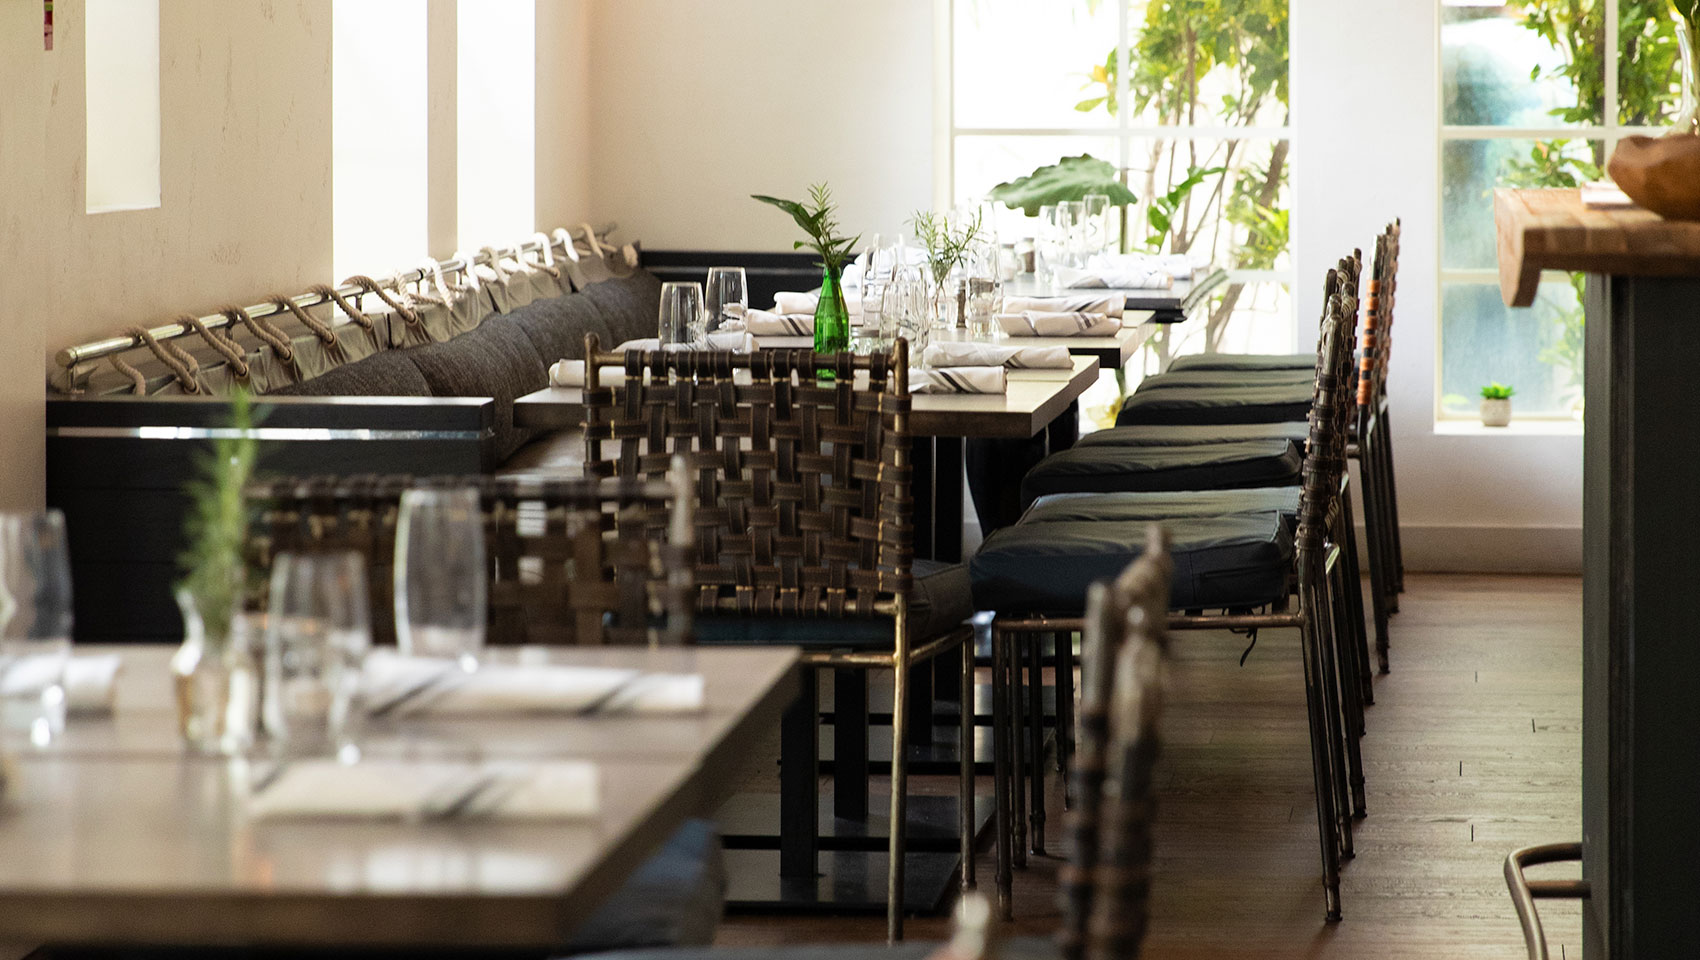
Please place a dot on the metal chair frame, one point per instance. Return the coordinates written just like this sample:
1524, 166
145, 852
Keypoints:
773, 540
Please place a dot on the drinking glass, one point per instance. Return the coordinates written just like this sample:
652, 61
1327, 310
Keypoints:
35, 623
905, 311
318, 631
1097, 210
1050, 242
1071, 221
984, 300
681, 313
440, 579
728, 295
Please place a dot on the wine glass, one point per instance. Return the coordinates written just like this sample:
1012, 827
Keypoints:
728, 296
1097, 210
440, 578
318, 632
681, 313
35, 622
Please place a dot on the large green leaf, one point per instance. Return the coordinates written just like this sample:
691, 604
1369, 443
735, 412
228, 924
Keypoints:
1070, 178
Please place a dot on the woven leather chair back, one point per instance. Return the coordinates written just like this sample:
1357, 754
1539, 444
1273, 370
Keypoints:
570, 561
800, 484
1378, 319
1104, 885
1331, 411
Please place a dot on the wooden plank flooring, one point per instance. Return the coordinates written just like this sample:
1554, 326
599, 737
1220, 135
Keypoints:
1474, 748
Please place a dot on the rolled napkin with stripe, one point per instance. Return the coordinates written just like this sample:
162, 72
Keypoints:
766, 323
90, 682
804, 304
424, 790
1178, 265
965, 353
958, 380
737, 341
1074, 303
421, 686
1116, 279
1033, 323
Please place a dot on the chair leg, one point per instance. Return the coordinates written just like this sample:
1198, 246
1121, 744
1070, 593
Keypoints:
899, 821
1003, 815
1018, 748
965, 764
1352, 658
1327, 826
1392, 500
1376, 544
1065, 714
1036, 734
1334, 719
1352, 583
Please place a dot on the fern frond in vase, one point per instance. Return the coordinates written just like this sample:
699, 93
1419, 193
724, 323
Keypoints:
216, 526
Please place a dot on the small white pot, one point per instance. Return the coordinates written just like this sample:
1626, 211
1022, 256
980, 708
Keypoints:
1496, 413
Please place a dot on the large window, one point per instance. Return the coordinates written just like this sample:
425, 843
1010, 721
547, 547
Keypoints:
1198, 129
1534, 93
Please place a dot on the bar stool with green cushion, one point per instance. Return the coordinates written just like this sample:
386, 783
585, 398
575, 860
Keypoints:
804, 529
1250, 565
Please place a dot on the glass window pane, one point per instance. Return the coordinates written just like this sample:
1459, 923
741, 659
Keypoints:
1030, 63
1225, 200
378, 177
984, 162
1536, 350
1237, 51
1649, 75
121, 73
1522, 65
1470, 169
496, 122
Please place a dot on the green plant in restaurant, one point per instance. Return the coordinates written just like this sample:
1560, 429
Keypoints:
947, 244
1497, 391
216, 526
818, 219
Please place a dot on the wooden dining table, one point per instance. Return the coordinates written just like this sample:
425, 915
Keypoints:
1166, 304
113, 835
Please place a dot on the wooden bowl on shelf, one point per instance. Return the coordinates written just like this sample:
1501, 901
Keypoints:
1662, 174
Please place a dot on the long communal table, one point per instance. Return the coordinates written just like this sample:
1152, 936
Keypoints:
113, 836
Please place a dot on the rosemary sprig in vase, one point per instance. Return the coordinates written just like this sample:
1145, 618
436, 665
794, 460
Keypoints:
214, 672
819, 222
948, 245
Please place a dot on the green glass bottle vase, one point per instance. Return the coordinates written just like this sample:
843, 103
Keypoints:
832, 317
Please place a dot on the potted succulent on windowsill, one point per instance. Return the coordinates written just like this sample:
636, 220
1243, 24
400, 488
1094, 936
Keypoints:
1496, 405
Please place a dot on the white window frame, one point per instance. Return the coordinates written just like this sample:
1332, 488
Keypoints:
1124, 133
1610, 132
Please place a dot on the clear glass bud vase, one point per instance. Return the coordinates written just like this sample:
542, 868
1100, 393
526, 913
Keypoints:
216, 682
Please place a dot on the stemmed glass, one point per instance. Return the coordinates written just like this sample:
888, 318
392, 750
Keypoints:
728, 296
35, 622
1097, 209
681, 313
440, 578
318, 632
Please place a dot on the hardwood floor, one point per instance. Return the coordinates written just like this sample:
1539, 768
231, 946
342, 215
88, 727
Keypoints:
1474, 748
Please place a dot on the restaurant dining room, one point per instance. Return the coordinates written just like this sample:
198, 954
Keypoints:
810, 480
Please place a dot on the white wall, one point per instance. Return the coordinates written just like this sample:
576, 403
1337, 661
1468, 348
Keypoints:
1364, 95
695, 106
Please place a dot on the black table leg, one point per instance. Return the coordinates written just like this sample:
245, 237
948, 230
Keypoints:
799, 781
947, 500
921, 489
850, 743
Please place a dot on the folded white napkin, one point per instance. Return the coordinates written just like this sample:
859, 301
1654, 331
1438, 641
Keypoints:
1075, 303
795, 304
765, 323
958, 380
966, 353
570, 373
1120, 279
1181, 266
90, 682
737, 341
1035, 324
408, 686
396, 790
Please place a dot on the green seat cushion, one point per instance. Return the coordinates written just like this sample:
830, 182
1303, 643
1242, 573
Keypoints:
938, 603
1162, 505
1183, 434
1227, 378
1278, 403
1213, 466
1234, 561
1244, 361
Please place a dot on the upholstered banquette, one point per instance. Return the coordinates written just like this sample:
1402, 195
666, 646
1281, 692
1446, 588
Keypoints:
117, 460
